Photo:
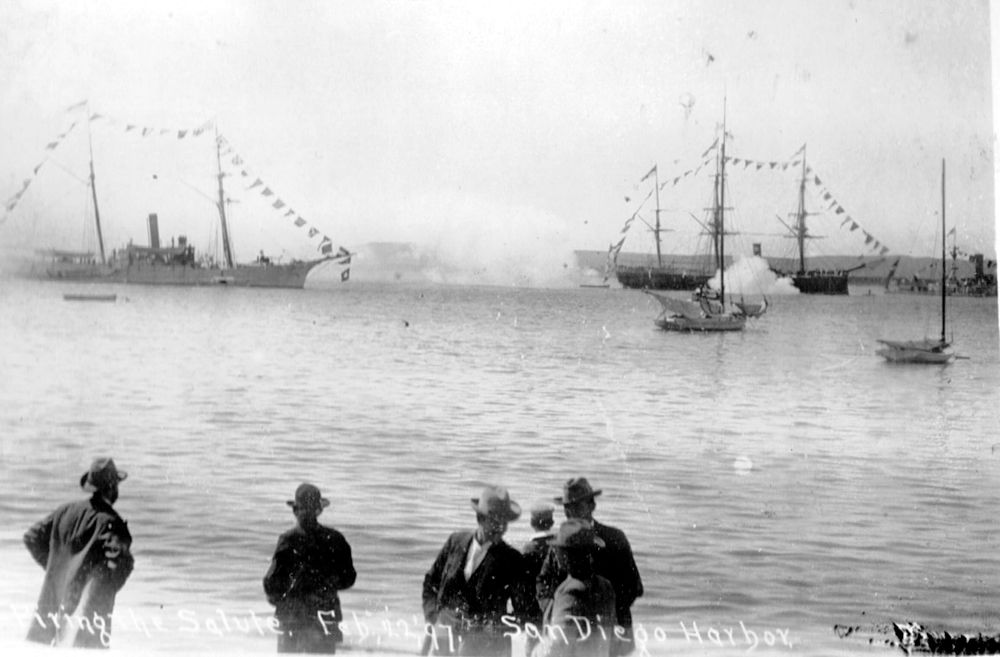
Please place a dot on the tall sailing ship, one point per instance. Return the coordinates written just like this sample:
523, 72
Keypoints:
178, 263
658, 276
811, 281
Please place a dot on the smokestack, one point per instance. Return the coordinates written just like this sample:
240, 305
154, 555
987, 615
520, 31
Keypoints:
154, 231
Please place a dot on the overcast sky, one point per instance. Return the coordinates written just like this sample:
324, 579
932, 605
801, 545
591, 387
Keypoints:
488, 128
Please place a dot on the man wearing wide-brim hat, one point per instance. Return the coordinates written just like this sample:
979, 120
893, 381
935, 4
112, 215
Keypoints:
475, 575
311, 563
613, 561
85, 548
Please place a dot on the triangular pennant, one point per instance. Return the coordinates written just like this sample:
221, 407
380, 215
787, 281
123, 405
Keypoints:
868, 238
76, 106
277, 205
130, 126
760, 165
885, 250
300, 222
181, 134
817, 181
267, 192
840, 209
289, 212
773, 164
313, 232
854, 226
255, 183
51, 145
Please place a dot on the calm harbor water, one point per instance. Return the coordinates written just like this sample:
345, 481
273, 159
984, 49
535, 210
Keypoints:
784, 478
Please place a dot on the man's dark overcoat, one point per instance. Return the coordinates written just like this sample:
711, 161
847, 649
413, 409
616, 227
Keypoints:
310, 565
85, 548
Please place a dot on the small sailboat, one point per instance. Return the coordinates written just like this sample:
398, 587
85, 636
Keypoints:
707, 313
927, 350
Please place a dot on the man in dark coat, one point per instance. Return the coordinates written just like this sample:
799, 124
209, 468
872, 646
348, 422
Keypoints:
582, 613
85, 548
473, 578
614, 561
311, 564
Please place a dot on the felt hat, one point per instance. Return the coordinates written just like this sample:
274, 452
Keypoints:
576, 534
308, 497
576, 490
495, 501
102, 474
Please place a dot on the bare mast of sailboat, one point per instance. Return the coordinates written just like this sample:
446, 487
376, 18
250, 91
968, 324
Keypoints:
944, 255
93, 190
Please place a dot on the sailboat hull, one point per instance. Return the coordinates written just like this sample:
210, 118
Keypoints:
702, 324
917, 356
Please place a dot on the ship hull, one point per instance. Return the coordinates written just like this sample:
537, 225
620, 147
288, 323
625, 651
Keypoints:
821, 283
656, 278
283, 276
278, 276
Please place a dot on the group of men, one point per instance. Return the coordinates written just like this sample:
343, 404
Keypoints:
575, 586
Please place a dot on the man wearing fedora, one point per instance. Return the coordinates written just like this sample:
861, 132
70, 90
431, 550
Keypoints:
582, 613
311, 564
85, 548
614, 561
473, 578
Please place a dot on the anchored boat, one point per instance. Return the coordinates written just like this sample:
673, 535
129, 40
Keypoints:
178, 263
925, 351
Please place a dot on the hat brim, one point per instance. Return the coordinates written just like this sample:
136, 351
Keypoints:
323, 503
597, 543
572, 500
84, 480
513, 512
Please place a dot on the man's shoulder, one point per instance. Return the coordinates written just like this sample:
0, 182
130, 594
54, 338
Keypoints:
460, 537
610, 535
332, 534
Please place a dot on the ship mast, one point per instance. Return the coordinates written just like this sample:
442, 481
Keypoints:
227, 250
656, 231
800, 217
944, 255
93, 190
